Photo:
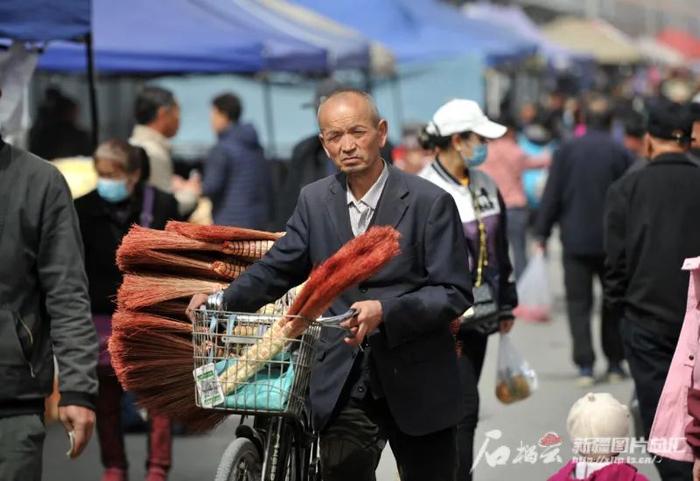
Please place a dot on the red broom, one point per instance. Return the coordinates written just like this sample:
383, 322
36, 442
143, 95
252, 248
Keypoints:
130, 260
152, 357
137, 291
356, 261
140, 238
219, 233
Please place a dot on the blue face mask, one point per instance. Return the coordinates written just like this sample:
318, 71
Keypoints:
479, 153
112, 190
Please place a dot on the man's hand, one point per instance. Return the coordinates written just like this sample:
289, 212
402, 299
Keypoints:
696, 469
196, 301
541, 247
80, 421
505, 325
368, 318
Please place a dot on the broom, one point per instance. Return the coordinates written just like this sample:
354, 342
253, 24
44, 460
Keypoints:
140, 238
219, 233
140, 291
129, 260
142, 346
152, 357
356, 261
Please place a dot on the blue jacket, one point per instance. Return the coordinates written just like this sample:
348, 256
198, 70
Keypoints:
582, 171
237, 180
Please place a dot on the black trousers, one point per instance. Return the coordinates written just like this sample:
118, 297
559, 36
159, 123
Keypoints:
579, 272
352, 444
649, 356
21, 447
471, 363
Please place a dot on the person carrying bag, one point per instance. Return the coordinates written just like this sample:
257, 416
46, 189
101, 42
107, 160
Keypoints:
458, 134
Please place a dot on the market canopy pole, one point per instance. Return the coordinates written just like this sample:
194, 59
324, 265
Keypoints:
94, 117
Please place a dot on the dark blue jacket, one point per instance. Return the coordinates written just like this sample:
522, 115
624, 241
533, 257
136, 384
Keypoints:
421, 291
237, 180
581, 173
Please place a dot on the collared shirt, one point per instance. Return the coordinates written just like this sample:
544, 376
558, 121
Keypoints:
361, 211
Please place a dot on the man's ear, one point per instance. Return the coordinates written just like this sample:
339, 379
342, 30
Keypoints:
648, 146
383, 128
323, 144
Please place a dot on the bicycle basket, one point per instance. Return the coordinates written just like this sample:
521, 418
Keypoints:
278, 386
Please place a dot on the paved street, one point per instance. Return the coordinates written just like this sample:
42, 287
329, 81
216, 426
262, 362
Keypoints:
545, 346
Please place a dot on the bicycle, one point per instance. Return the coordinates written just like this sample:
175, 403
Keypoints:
281, 444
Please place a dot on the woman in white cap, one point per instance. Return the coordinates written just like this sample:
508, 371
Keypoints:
459, 133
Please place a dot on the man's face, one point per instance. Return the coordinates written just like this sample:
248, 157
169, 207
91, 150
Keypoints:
171, 119
219, 121
696, 135
351, 135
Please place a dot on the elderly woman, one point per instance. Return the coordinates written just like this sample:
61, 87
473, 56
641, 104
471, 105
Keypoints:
121, 199
458, 133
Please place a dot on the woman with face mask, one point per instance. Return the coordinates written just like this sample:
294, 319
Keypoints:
121, 199
458, 134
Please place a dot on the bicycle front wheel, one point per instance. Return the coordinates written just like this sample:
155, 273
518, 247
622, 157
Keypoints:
240, 462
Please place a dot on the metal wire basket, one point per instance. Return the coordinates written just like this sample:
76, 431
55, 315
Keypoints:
278, 385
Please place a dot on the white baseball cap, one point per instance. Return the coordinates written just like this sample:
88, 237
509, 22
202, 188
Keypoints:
598, 416
462, 115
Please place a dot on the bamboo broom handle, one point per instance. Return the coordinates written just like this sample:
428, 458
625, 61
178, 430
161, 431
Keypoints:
252, 359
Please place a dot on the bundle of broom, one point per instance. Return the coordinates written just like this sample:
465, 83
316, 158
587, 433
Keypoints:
141, 367
151, 344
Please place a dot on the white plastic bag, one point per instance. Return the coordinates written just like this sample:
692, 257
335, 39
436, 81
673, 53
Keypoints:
534, 295
515, 379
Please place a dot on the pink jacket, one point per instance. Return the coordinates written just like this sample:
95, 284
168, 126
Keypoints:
613, 472
667, 438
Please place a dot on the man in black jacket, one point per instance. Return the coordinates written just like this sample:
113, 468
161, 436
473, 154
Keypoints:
44, 310
404, 386
650, 228
581, 172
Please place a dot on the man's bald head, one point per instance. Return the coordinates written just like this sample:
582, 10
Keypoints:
355, 97
352, 133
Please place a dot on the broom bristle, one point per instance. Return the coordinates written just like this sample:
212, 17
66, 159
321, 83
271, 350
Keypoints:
219, 233
140, 238
132, 261
357, 260
139, 291
152, 357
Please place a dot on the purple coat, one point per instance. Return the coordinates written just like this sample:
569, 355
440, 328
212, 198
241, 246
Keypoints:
613, 472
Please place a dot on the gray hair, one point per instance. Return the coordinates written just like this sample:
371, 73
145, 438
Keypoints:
374, 111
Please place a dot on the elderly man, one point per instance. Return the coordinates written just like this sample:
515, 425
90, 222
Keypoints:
650, 228
403, 387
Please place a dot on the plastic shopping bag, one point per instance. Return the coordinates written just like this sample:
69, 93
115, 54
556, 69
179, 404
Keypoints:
534, 295
515, 379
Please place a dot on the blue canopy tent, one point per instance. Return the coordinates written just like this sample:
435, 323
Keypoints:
132, 36
346, 49
44, 20
422, 30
